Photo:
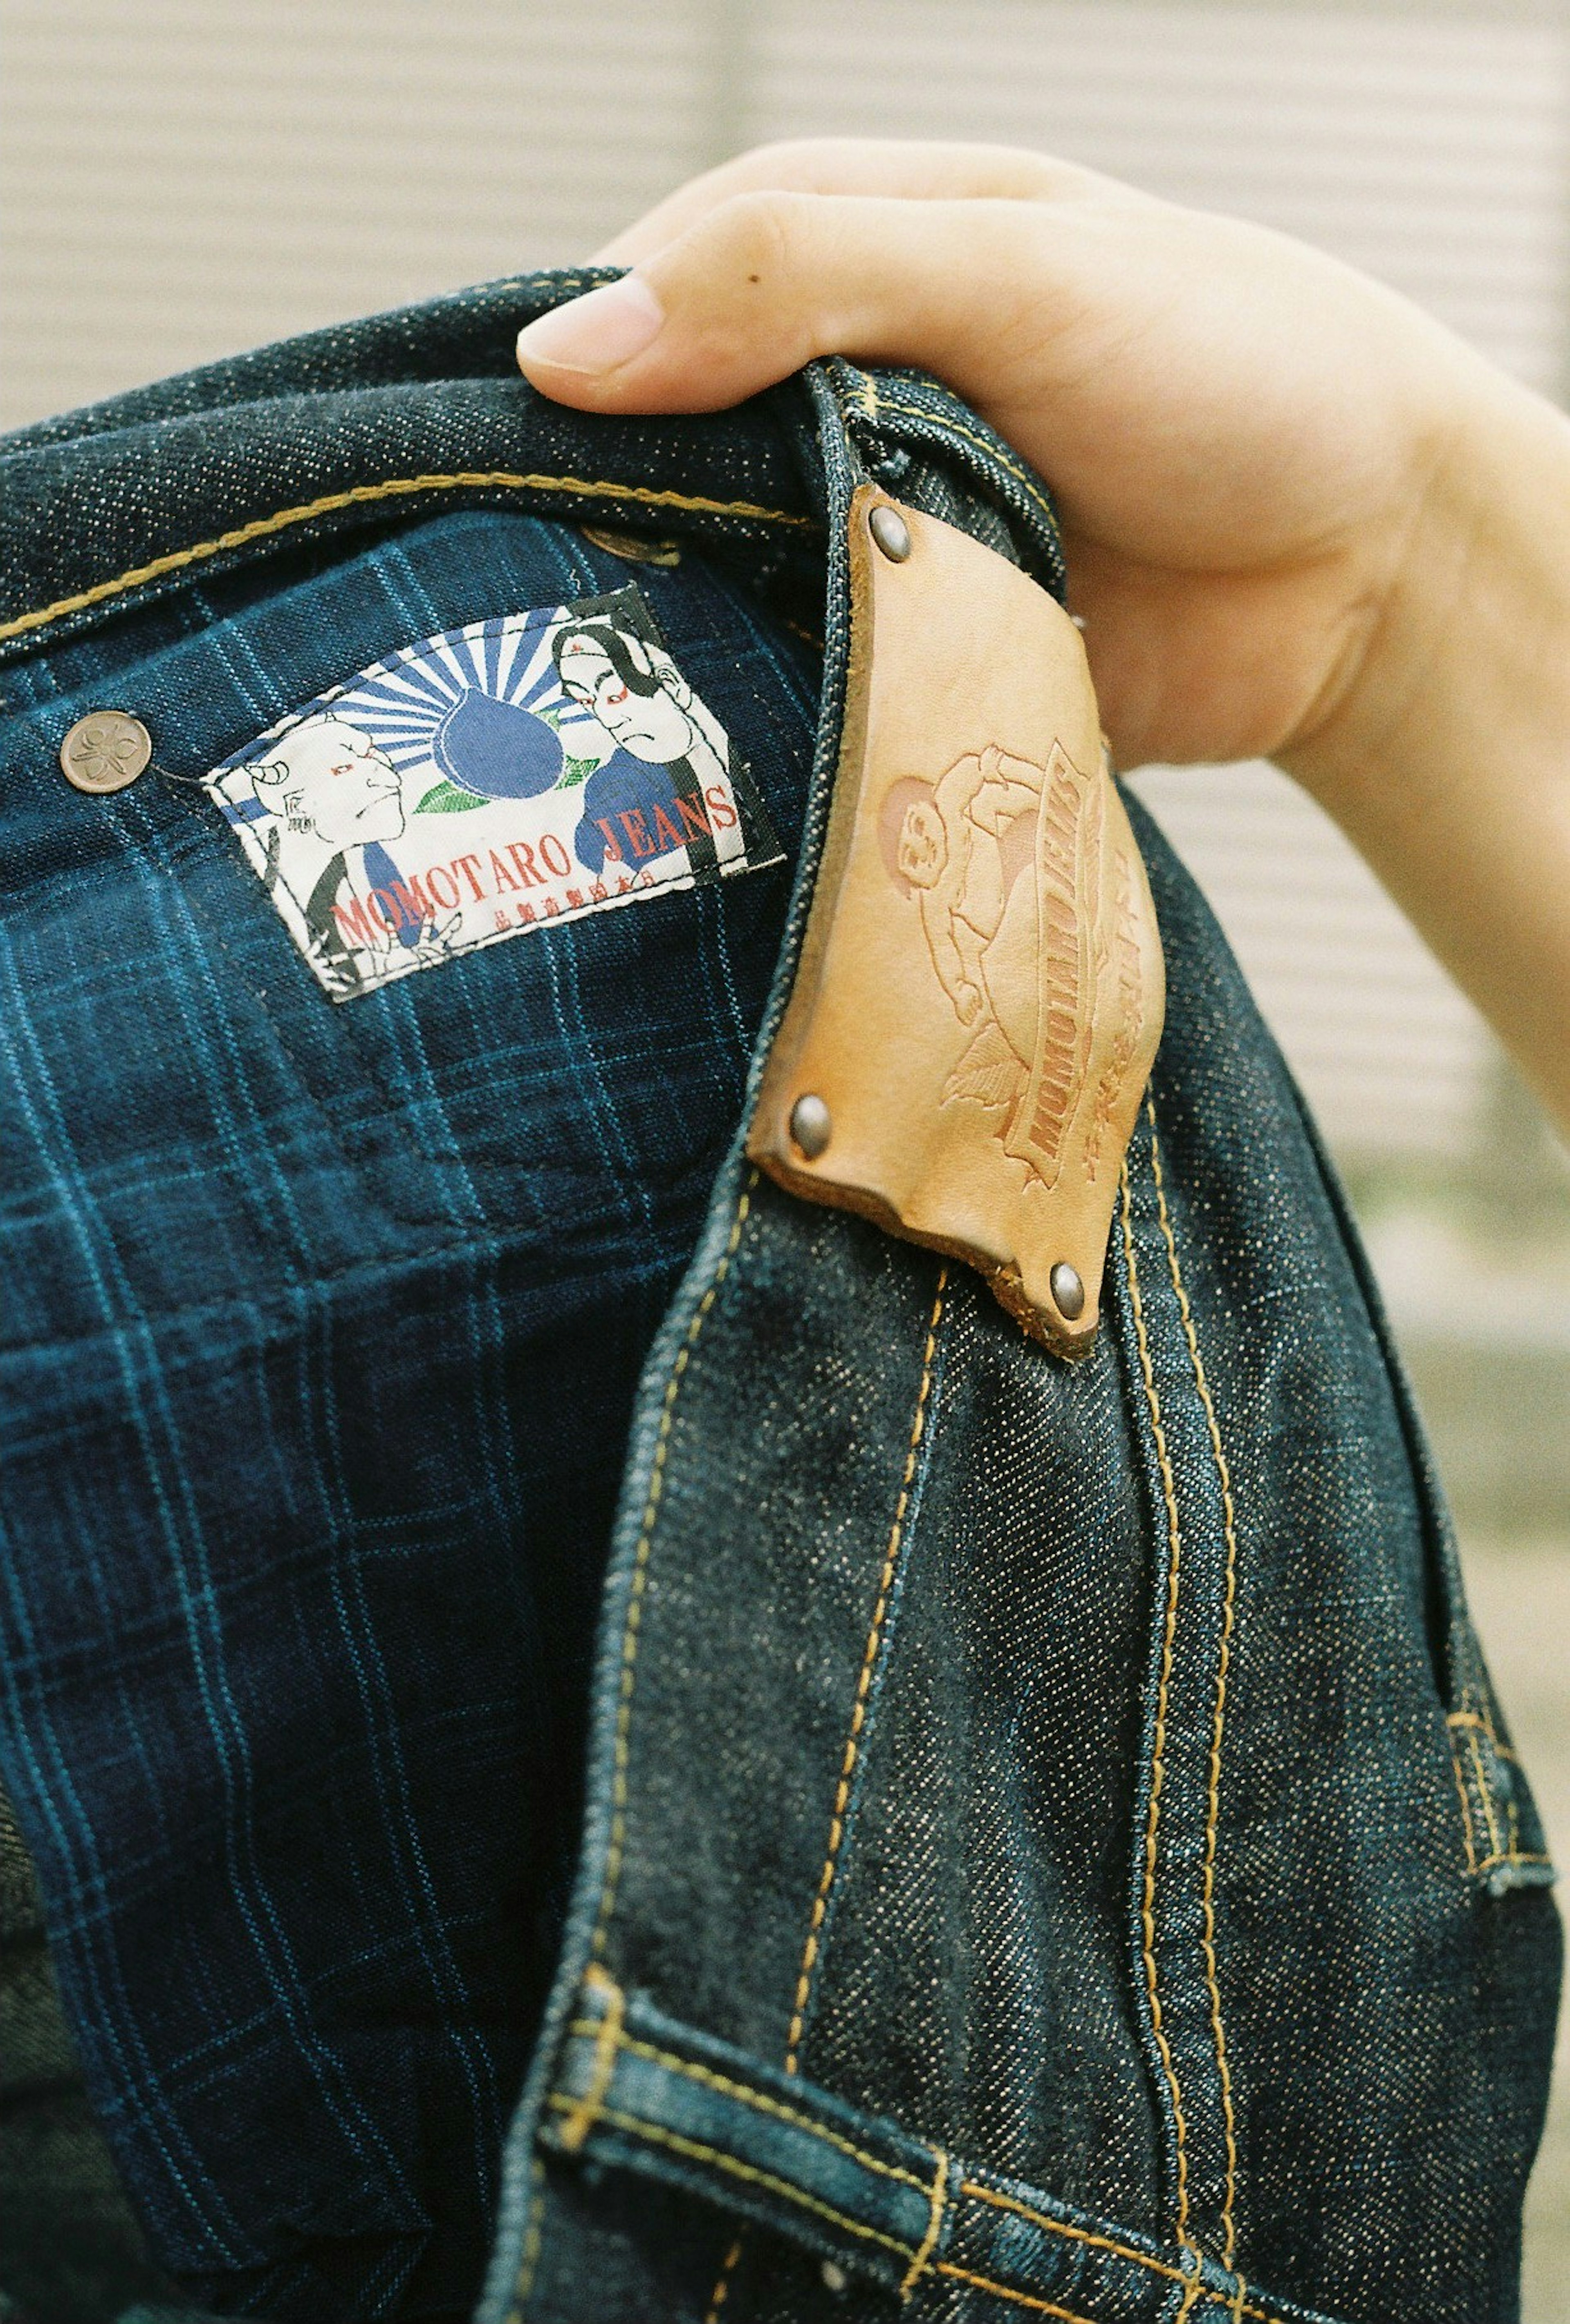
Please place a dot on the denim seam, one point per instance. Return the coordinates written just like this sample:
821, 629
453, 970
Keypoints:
722, 2289
395, 487
938, 2197
868, 395
533, 2241
1050, 2308
967, 435
1002, 2202
533, 2230
718, 2296
936, 2192
1016, 2299
1467, 1834
1224, 1660
1483, 1792
1471, 1724
634, 1615
1471, 1719
699, 2151
586, 2028
607, 2035
859, 1707
1174, 1536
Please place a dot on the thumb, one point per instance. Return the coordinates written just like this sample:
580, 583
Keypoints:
765, 281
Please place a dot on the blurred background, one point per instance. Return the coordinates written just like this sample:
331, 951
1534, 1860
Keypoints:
183, 179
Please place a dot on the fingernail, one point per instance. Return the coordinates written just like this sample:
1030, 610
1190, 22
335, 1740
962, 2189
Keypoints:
595, 333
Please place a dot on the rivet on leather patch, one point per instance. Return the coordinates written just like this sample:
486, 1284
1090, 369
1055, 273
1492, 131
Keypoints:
496, 778
981, 988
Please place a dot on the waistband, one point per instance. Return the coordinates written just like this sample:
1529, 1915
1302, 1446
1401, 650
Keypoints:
422, 408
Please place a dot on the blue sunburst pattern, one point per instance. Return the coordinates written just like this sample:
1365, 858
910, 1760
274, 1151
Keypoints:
482, 705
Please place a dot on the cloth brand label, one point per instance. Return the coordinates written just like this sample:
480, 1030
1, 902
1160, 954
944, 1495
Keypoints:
521, 771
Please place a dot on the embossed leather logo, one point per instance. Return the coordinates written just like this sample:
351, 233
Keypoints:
980, 992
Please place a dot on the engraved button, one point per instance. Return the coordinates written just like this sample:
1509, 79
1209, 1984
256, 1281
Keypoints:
890, 531
810, 1126
1068, 1290
105, 751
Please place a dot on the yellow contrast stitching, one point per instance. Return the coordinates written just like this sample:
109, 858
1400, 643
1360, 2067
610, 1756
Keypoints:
1466, 1807
395, 487
614, 1849
852, 1745
929, 2243
722, 2288
1483, 1791
533, 2236
1075, 2235
698, 2152
1224, 1663
1461, 1791
747, 2094
607, 2033
1174, 1536
1514, 1854
1016, 2299
1048, 2308
859, 1709
1470, 1719
982, 443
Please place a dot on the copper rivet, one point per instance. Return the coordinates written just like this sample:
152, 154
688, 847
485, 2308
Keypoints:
105, 751
810, 1126
890, 531
1067, 1291
834, 2276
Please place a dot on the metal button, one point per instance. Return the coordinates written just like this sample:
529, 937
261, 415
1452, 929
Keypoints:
810, 1126
105, 751
890, 531
633, 547
1067, 1291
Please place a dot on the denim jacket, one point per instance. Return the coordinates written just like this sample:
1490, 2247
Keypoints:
500, 1597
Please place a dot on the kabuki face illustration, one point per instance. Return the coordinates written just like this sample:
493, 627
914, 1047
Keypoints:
353, 791
636, 692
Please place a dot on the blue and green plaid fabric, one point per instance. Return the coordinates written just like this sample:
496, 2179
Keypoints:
322, 1331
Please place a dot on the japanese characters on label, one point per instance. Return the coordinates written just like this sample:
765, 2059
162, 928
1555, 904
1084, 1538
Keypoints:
521, 771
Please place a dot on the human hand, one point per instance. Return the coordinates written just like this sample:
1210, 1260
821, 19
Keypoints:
1302, 520
1240, 432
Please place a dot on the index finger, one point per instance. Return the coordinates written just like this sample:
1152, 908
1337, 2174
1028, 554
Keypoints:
905, 169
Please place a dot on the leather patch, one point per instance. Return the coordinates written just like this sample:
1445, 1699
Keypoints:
981, 987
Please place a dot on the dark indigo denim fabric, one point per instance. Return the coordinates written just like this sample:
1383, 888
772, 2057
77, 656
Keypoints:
1049, 1844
